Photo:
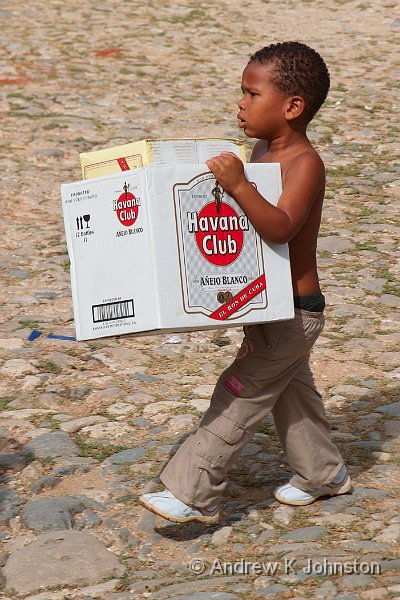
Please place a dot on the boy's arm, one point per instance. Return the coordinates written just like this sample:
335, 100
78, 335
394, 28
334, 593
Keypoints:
304, 180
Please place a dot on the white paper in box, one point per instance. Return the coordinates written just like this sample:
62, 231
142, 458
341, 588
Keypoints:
151, 251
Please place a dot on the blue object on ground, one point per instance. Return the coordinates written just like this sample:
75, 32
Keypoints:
34, 334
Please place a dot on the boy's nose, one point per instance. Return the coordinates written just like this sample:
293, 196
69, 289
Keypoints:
241, 103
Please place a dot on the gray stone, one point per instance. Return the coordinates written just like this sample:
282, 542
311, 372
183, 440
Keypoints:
50, 152
17, 367
46, 295
392, 428
222, 535
369, 493
144, 552
198, 585
304, 534
334, 244
373, 444
77, 424
141, 377
129, 540
365, 546
390, 300
87, 519
392, 359
250, 449
167, 448
347, 310
389, 534
265, 535
96, 591
241, 588
12, 461
391, 565
37, 566
327, 591
354, 581
9, 504
383, 177
283, 514
67, 470
273, 590
141, 422
149, 585
80, 392
354, 391
145, 573
147, 523
140, 398
19, 273
204, 391
298, 577
263, 581
390, 409
5, 434
373, 285
52, 514
265, 457
126, 456
57, 443
206, 596
47, 481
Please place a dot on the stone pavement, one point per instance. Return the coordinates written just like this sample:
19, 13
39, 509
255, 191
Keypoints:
86, 427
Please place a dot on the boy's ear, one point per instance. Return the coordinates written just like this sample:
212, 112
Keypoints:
295, 107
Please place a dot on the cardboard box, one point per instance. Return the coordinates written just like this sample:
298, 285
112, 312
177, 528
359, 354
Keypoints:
151, 251
156, 152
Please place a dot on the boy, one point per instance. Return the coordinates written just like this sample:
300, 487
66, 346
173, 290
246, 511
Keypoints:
283, 86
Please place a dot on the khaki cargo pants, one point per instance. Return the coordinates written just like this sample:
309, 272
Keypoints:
271, 373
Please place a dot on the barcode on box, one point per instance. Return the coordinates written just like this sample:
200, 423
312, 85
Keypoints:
113, 311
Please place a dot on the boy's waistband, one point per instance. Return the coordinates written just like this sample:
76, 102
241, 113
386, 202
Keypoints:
313, 303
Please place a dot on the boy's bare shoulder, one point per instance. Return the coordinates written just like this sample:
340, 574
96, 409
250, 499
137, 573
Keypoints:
306, 160
308, 155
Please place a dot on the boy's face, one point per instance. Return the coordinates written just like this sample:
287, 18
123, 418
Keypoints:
263, 107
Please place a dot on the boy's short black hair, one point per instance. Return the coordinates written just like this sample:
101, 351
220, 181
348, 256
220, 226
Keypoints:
298, 70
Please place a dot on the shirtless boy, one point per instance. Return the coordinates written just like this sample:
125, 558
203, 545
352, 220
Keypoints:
283, 86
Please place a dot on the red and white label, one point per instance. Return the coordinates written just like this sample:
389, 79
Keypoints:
127, 208
219, 235
123, 164
240, 299
219, 252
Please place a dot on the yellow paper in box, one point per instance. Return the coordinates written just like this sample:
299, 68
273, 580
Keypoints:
156, 152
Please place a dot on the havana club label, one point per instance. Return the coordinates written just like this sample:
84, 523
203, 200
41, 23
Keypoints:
220, 254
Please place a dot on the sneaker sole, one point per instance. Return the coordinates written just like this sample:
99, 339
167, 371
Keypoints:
160, 513
345, 488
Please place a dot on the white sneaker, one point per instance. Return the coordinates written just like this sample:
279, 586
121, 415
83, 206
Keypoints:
166, 505
288, 494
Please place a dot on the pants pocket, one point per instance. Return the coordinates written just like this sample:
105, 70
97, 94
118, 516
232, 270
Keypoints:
217, 438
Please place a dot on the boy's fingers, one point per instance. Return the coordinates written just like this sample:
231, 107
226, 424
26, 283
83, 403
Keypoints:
213, 164
226, 153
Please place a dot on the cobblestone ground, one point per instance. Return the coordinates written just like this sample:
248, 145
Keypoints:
86, 427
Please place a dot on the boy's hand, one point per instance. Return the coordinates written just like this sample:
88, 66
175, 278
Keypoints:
228, 170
